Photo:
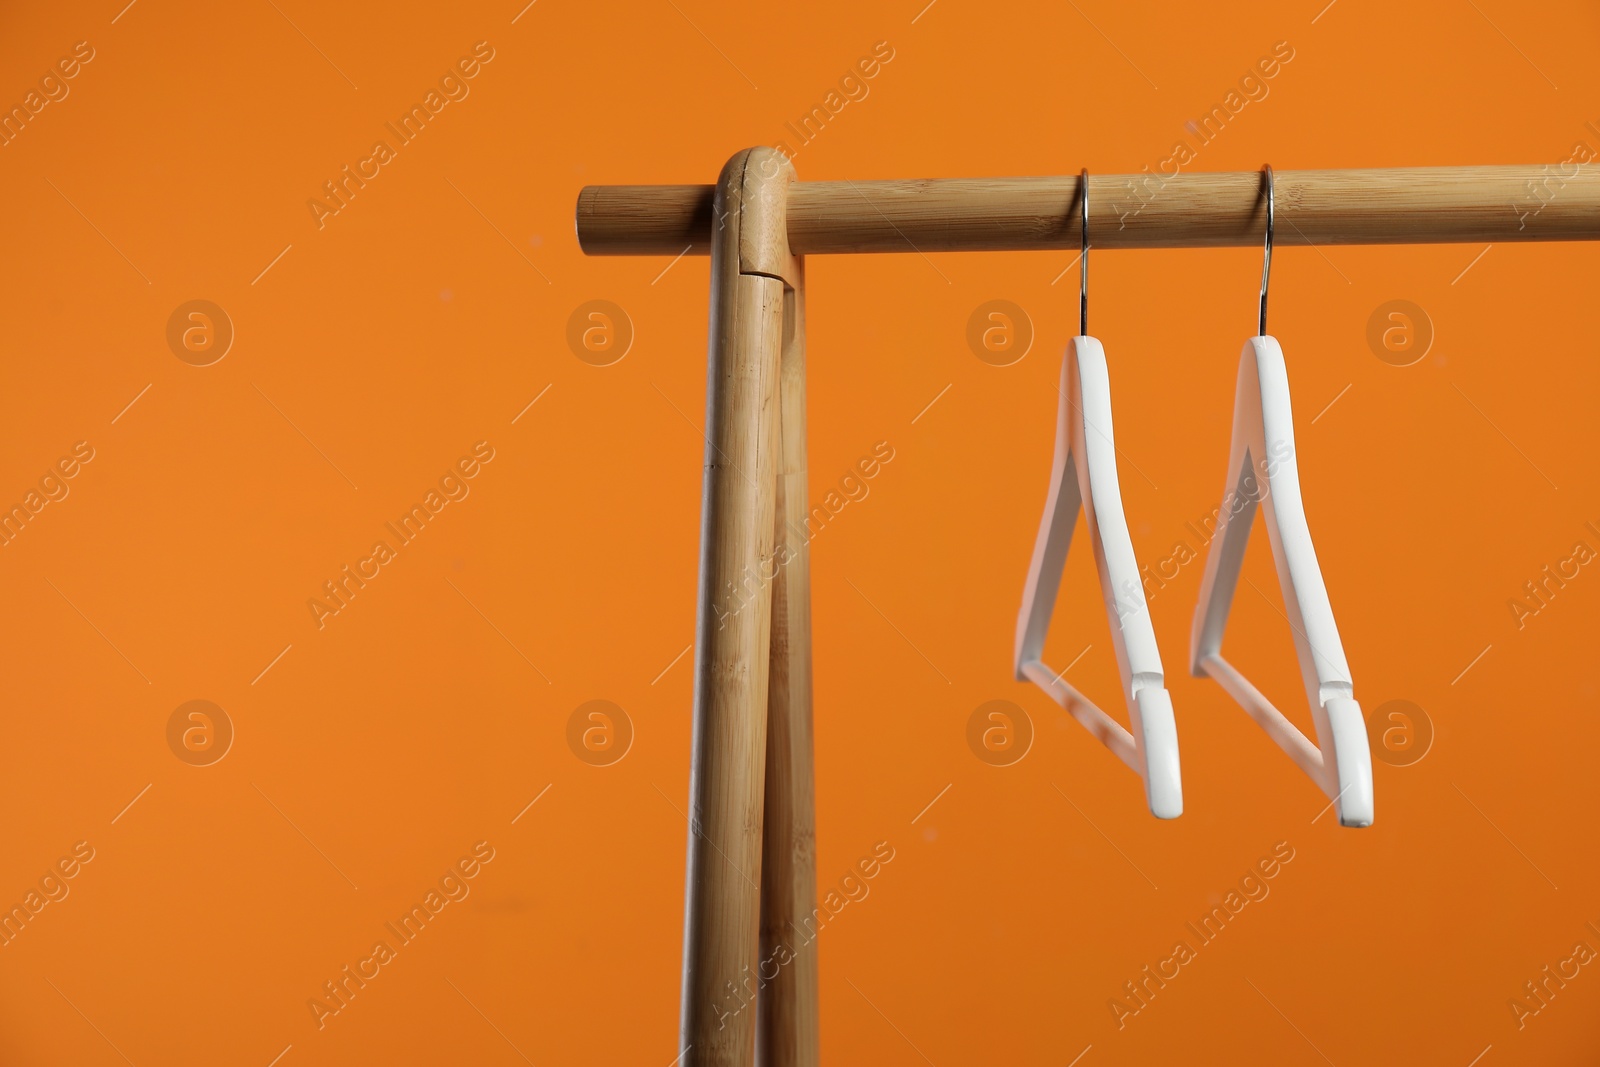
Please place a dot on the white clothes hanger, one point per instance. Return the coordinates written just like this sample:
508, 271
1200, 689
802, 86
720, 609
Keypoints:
1083, 474
1262, 472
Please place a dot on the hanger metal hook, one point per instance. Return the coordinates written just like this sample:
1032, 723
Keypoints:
1266, 262
1083, 256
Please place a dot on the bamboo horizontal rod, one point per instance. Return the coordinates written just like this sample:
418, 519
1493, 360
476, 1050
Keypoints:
1417, 205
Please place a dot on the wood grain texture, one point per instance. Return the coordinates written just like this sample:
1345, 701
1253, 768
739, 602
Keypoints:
728, 759
788, 1032
1417, 205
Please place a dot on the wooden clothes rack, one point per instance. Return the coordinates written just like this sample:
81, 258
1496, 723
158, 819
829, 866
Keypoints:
750, 961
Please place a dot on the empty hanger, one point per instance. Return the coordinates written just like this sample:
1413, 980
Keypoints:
1083, 473
1262, 471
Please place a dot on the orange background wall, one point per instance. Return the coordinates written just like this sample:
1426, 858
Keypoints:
373, 351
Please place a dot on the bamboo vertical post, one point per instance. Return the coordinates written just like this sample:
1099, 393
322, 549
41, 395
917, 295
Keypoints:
750, 270
787, 1035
